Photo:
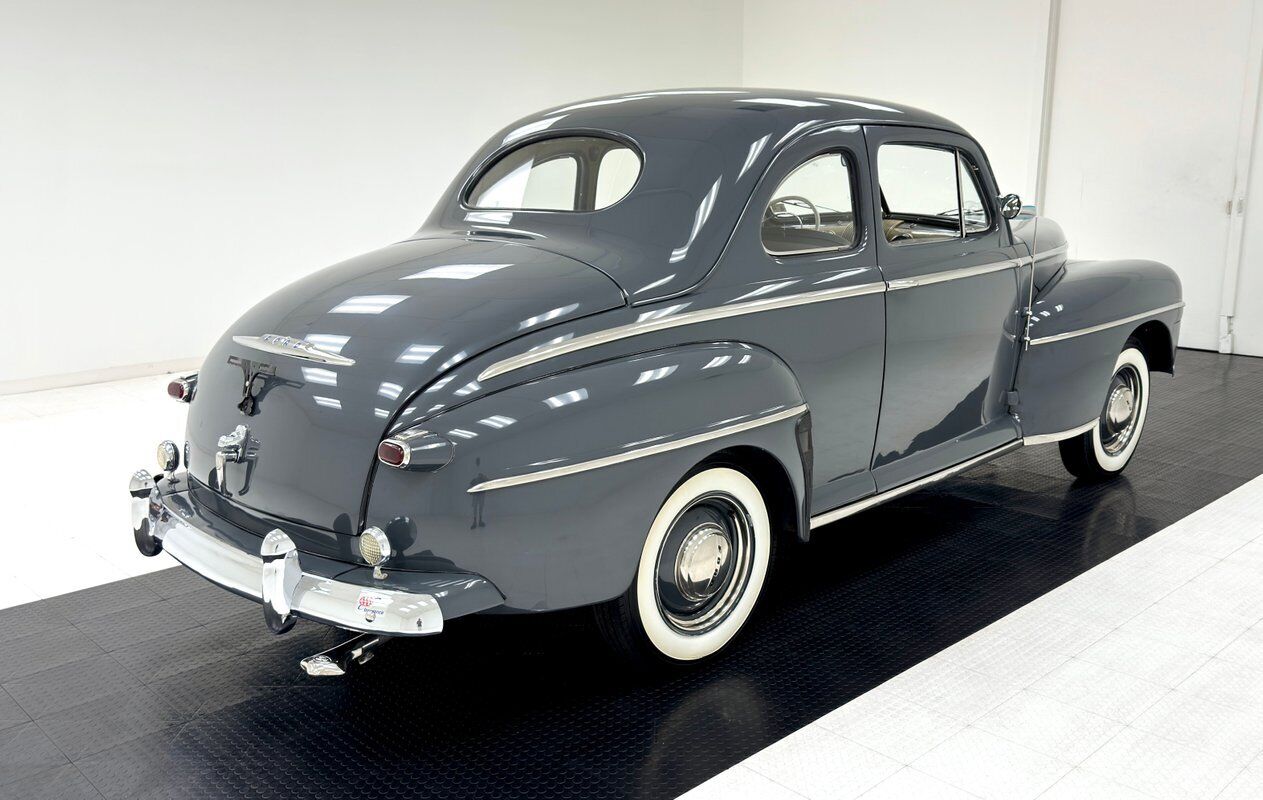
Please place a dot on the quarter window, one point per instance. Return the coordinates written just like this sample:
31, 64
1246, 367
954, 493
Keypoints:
928, 194
812, 210
617, 173
568, 173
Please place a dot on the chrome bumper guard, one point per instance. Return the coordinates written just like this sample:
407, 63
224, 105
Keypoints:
275, 578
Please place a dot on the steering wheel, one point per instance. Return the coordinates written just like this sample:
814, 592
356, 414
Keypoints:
793, 198
898, 233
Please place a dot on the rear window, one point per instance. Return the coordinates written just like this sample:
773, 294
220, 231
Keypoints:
568, 173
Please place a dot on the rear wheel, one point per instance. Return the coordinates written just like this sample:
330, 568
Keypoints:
700, 574
1105, 450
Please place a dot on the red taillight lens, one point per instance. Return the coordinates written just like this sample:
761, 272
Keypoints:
182, 388
416, 450
392, 454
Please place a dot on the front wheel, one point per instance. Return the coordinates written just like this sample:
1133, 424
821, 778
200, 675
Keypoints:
700, 573
1103, 451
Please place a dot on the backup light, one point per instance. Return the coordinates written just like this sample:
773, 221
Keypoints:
374, 547
168, 456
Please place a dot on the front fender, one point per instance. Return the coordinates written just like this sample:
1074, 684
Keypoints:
574, 537
1080, 322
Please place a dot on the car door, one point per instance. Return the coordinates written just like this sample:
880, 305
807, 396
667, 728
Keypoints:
807, 235
953, 303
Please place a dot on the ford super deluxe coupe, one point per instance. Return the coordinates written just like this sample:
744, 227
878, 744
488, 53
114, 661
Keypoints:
642, 342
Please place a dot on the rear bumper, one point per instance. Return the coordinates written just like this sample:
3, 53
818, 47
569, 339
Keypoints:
164, 518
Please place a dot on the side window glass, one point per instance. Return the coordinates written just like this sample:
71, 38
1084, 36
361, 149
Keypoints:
615, 176
919, 199
975, 211
812, 210
545, 185
566, 173
551, 185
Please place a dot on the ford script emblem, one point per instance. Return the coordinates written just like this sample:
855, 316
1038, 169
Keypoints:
294, 348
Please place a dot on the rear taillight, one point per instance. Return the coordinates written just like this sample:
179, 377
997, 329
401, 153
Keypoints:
417, 450
182, 388
392, 453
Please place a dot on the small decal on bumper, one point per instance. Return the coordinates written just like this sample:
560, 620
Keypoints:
372, 604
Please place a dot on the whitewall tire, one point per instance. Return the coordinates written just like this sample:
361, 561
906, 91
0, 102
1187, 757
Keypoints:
1106, 449
701, 571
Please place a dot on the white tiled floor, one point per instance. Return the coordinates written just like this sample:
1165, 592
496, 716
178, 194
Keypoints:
1141, 678
68, 454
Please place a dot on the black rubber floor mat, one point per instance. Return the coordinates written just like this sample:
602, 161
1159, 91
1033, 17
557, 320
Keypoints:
165, 686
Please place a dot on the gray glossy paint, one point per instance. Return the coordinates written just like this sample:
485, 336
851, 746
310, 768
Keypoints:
407, 313
580, 527
1056, 379
705, 151
537, 340
951, 346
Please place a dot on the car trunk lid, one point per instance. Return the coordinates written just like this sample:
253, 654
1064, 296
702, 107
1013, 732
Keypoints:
404, 314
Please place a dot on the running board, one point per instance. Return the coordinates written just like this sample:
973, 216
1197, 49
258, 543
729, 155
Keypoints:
920, 483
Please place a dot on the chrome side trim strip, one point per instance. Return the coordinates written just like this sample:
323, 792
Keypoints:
663, 323
1044, 255
952, 274
294, 348
643, 452
1057, 337
1049, 438
890, 494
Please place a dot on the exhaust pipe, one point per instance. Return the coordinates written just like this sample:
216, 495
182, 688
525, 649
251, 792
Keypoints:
338, 659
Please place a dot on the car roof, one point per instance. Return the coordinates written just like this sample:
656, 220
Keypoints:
703, 152
781, 109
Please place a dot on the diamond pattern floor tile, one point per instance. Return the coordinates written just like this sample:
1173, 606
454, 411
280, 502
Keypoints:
202, 698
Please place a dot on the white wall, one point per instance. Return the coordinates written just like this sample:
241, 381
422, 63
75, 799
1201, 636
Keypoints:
1143, 126
166, 163
980, 65
1244, 301
1146, 110
1241, 305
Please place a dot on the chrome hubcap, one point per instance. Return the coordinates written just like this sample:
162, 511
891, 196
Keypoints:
704, 563
701, 561
1122, 407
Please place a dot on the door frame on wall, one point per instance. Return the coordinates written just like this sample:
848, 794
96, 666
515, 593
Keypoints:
1235, 205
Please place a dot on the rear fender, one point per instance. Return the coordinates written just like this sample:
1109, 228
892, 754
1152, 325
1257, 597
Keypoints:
1080, 322
553, 483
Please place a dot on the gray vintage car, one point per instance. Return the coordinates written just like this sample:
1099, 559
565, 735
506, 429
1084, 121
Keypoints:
643, 341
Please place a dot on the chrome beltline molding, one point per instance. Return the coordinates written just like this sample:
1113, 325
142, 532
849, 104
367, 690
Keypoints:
1044, 255
736, 309
663, 323
1057, 337
643, 452
890, 494
294, 348
953, 274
